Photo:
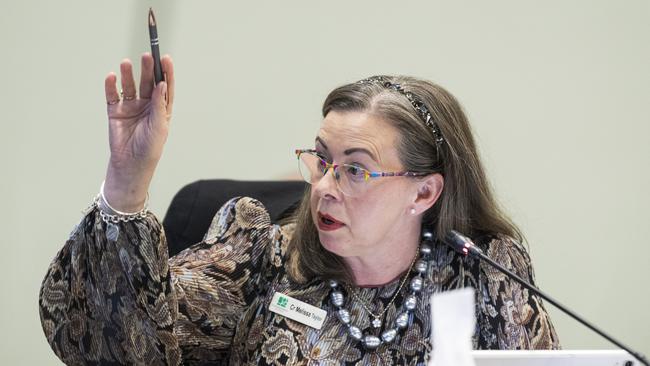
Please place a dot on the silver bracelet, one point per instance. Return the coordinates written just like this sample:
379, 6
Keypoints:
111, 215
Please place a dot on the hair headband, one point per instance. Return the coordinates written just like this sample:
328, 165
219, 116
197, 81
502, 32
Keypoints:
419, 106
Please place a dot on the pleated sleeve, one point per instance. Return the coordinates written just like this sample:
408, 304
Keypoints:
113, 296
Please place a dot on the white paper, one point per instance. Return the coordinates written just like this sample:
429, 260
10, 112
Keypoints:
453, 320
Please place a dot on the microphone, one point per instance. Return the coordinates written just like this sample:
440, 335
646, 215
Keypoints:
466, 247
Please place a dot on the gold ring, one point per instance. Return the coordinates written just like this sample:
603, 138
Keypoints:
129, 97
112, 102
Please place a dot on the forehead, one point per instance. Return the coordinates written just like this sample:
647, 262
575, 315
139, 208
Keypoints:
342, 131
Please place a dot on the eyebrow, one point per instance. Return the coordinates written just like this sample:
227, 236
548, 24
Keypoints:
349, 151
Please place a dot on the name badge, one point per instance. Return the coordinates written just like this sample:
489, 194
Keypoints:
297, 310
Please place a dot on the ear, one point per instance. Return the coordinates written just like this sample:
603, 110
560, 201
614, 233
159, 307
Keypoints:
429, 190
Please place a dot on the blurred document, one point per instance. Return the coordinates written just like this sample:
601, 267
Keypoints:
453, 320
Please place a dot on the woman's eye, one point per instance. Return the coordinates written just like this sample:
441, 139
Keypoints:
355, 172
322, 165
320, 154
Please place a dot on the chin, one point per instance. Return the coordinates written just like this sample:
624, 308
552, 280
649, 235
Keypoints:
331, 244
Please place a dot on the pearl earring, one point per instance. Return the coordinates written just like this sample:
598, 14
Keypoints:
412, 211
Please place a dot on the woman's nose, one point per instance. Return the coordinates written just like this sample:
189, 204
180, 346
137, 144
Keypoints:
327, 185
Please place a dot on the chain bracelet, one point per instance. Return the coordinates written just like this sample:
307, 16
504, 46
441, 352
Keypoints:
112, 216
117, 218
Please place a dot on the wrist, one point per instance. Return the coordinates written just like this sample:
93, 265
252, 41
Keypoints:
133, 207
110, 215
126, 192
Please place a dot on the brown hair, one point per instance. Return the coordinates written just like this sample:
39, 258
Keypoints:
466, 204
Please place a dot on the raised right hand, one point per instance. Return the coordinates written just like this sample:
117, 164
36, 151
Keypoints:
138, 128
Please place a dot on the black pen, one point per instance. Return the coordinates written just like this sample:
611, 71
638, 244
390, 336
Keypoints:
155, 52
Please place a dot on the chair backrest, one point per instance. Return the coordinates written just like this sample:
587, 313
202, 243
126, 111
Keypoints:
193, 207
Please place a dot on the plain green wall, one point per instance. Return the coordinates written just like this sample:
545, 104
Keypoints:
558, 93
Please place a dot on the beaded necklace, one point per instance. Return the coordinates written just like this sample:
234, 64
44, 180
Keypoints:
367, 339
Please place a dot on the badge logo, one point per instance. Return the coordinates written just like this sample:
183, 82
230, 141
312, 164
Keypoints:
283, 301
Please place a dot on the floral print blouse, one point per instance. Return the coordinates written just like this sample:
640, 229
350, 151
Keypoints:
113, 296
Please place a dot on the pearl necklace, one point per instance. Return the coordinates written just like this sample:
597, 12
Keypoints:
370, 341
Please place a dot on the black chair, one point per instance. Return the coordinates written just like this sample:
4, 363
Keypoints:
193, 207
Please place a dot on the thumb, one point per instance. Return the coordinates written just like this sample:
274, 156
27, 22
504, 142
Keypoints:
159, 101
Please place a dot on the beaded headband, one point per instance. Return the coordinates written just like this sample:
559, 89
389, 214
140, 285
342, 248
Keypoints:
419, 106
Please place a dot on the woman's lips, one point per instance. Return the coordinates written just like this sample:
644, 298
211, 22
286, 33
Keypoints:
328, 223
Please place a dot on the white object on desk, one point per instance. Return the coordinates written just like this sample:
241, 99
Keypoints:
555, 358
453, 320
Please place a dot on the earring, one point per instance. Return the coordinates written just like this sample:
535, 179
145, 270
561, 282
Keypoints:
412, 211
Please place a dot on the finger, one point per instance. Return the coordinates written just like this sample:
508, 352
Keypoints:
146, 76
168, 70
110, 89
126, 76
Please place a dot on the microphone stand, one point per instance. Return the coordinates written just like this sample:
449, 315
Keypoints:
466, 247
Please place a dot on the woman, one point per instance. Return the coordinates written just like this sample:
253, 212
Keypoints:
394, 167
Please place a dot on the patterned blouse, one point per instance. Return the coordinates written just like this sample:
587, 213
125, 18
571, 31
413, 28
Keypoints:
113, 296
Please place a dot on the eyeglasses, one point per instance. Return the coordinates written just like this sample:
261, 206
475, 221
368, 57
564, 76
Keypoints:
352, 180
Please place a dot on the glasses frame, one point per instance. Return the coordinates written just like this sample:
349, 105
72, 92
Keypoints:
367, 173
